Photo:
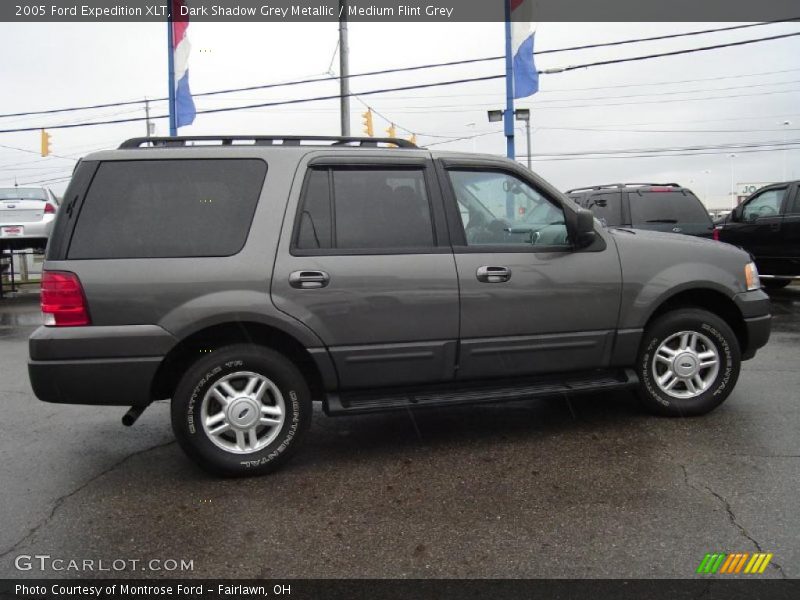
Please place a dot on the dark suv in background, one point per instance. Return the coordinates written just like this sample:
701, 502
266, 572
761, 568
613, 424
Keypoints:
655, 206
245, 278
767, 225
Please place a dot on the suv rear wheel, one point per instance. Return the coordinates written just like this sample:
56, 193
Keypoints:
241, 410
688, 363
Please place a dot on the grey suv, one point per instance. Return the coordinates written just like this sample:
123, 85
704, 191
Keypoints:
245, 278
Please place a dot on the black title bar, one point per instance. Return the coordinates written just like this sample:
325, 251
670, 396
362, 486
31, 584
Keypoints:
275, 11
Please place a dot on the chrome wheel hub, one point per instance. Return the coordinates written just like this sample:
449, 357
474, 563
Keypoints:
242, 412
685, 364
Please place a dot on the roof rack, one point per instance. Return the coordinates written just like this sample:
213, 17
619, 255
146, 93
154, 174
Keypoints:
621, 185
262, 140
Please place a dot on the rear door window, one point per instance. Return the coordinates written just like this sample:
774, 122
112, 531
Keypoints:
668, 211
371, 209
168, 208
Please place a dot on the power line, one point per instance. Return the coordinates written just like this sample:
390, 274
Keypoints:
538, 102
730, 146
265, 104
615, 61
654, 155
327, 77
472, 107
598, 130
423, 86
29, 151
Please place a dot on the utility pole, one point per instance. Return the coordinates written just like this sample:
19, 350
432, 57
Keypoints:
344, 70
786, 124
147, 116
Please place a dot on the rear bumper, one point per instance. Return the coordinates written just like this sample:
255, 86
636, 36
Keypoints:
755, 308
113, 382
35, 233
64, 367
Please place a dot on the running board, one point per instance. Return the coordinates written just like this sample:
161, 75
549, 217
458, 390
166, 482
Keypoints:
505, 390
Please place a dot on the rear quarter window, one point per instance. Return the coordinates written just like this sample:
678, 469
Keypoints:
168, 208
606, 206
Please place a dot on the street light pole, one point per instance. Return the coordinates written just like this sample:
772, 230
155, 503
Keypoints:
733, 184
508, 114
520, 114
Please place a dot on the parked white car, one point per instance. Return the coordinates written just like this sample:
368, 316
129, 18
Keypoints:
26, 217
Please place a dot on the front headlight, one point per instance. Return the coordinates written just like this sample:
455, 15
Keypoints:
751, 277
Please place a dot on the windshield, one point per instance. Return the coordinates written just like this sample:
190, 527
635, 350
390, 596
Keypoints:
23, 194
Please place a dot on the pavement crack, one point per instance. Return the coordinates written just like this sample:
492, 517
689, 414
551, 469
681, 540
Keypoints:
731, 515
61, 499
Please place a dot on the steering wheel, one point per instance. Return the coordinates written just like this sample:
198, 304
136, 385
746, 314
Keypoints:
766, 211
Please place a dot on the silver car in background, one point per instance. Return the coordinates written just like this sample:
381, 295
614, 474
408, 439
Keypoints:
26, 217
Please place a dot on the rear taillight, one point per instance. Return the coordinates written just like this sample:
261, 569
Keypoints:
62, 300
49, 209
715, 234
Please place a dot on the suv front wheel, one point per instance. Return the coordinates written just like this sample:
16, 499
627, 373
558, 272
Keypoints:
241, 410
688, 363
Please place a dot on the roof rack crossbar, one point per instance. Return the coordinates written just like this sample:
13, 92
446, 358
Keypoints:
263, 140
621, 186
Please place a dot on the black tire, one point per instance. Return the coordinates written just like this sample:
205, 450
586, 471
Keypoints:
714, 329
775, 284
208, 371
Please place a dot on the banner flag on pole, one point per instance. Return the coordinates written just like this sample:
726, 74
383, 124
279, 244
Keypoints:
184, 104
523, 30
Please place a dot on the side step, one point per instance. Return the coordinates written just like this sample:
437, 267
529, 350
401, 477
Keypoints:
503, 390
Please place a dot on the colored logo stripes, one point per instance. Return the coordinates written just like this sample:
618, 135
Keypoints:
738, 562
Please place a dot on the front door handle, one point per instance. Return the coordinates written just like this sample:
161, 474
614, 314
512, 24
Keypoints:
493, 274
309, 280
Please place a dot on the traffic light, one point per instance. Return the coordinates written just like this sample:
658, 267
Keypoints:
368, 129
413, 139
391, 130
45, 143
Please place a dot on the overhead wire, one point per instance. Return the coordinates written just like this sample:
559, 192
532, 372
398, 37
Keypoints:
326, 77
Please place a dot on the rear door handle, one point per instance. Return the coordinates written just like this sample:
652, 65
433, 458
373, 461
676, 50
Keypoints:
309, 280
493, 274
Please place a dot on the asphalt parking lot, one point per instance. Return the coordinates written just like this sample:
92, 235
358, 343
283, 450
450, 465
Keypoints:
586, 486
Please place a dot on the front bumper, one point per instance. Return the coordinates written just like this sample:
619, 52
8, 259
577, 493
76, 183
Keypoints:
64, 367
755, 308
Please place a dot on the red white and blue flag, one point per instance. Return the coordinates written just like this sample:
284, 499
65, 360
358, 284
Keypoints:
523, 30
184, 104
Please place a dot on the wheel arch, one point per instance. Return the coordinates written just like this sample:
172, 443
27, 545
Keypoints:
212, 337
708, 299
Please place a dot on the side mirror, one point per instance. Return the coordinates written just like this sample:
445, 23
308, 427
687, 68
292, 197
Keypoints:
584, 228
736, 213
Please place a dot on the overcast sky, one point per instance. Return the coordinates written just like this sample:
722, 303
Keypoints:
735, 95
